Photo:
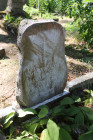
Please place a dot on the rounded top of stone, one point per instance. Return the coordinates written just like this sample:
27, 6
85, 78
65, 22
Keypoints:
28, 26
26, 23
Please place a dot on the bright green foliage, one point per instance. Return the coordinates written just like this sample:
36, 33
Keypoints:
30, 10
81, 10
43, 122
11, 19
53, 130
9, 120
43, 112
83, 14
39, 4
45, 135
63, 122
89, 101
88, 0
39, 13
86, 24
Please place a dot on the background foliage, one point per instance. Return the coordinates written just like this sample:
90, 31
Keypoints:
81, 10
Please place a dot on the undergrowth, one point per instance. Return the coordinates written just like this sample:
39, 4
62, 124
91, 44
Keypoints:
70, 119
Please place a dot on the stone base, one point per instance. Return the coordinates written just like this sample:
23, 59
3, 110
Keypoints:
81, 83
16, 108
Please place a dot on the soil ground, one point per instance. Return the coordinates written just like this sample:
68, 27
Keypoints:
77, 65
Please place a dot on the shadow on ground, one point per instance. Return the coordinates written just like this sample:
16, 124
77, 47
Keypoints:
7, 38
81, 54
77, 69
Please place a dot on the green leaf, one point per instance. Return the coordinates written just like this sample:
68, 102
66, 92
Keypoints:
19, 138
8, 124
91, 128
24, 134
44, 106
45, 135
66, 127
64, 135
67, 101
78, 100
73, 110
53, 130
87, 0
9, 117
90, 116
11, 130
32, 121
43, 112
86, 109
27, 139
57, 109
88, 112
86, 90
87, 136
27, 111
43, 121
79, 119
32, 127
70, 119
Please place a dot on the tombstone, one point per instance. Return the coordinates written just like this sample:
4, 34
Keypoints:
3, 5
15, 7
43, 67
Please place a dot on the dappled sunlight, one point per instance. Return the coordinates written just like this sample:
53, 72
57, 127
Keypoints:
70, 40
8, 74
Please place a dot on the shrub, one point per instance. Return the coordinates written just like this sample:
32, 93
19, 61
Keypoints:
68, 120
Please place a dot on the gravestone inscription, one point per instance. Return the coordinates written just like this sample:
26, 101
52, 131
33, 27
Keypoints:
43, 67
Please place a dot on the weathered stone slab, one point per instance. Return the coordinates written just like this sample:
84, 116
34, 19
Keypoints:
43, 68
16, 108
15, 7
3, 5
81, 83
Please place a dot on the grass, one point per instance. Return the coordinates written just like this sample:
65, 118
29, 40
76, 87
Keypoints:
75, 47
72, 30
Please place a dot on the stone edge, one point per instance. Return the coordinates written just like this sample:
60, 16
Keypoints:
79, 82
16, 108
